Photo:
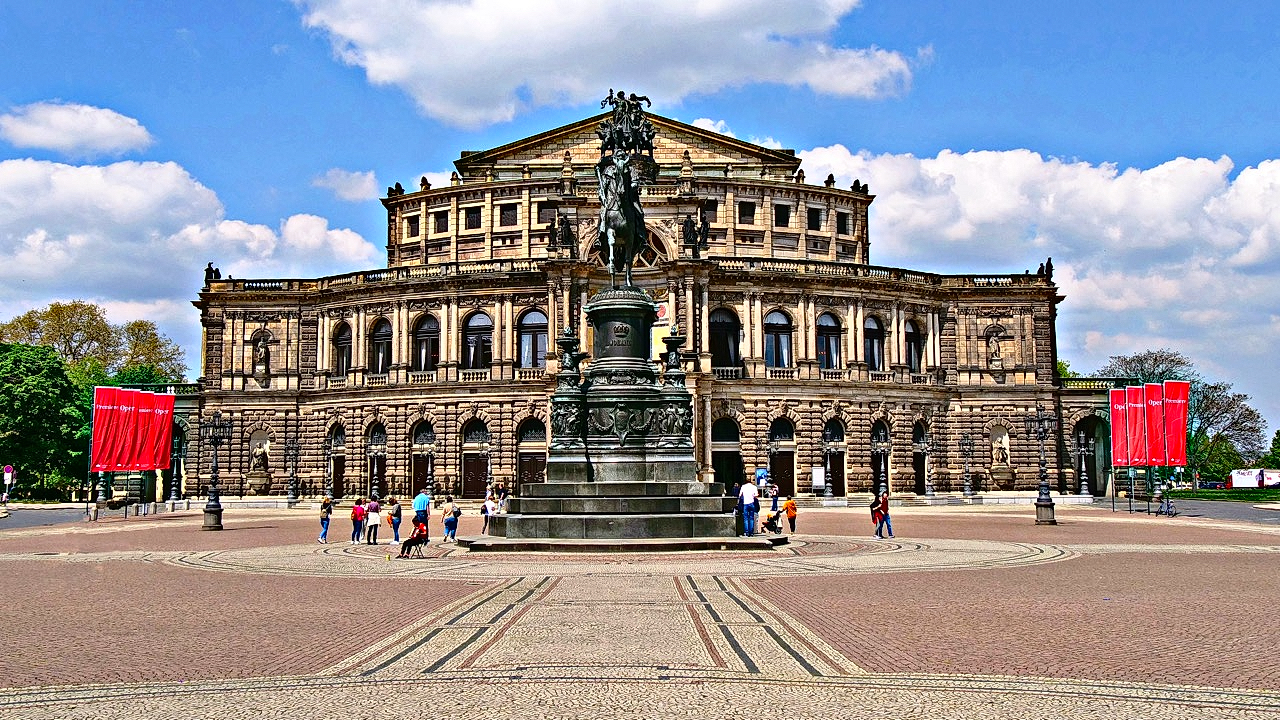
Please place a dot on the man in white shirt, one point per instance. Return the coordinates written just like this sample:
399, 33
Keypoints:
747, 496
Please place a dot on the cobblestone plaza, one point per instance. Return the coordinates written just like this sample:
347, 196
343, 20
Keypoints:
971, 612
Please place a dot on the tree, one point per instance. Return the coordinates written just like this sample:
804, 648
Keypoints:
41, 420
1064, 369
83, 338
1272, 457
1221, 425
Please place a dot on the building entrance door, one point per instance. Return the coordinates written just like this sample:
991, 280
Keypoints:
421, 475
339, 476
782, 466
837, 474
918, 462
531, 468
727, 466
475, 475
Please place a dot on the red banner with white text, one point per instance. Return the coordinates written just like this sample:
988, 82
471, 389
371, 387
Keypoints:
1155, 424
132, 430
1177, 394
1135, 424
1119, 446
160, 436
106, 429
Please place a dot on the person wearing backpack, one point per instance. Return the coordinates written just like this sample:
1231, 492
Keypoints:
487, 510
393, 519
450, 518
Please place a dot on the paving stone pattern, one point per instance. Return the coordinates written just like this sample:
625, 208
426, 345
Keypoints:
974, 615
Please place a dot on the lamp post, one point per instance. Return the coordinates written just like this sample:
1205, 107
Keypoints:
375, 452
292, 449
880, 450
177, 459
923, 448
966, 450
327, 446
1083, 450
488, 448
1042, 425
216, 431
828, 449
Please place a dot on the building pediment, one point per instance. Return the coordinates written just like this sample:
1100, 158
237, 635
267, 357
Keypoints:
545, 151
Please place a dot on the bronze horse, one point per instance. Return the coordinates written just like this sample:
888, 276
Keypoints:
621, 232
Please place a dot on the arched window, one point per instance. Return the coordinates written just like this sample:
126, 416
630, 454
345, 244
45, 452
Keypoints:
724, 430
828, 342
424, 433
833, 431
426, 344
782, 430
477, 342
915, 346
777, 340
725, 333
531, 340
380, 348
338, 437
377, 435
873, 343
475, 431
342, 349
532, 430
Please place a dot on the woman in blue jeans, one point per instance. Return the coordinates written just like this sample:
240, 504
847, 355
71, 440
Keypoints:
326, 512
450, 520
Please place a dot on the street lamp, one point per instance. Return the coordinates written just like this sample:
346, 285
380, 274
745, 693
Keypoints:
327, 446
292, 449
216, 431
1084, 450
922, 447
829, 448
177, 459
966, 450
880, 449
1042, 425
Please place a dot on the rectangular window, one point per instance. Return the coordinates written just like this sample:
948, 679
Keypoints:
546, 212
710, 211
842, 223
746, 213
815, 218
507, 215
473, 218
782, 216
411, 226
442, 221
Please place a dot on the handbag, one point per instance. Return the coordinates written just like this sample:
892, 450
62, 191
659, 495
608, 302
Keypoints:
457, 512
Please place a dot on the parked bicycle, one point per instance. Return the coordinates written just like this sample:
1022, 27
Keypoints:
1167, 507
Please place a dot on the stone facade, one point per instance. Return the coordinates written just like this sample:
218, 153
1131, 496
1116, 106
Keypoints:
799, 351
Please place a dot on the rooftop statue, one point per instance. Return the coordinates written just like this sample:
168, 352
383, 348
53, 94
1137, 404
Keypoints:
619, 174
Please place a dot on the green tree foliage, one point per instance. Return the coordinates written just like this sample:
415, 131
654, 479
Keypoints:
42, 419
81, 335
1271, 459
1064, 369
1221, 425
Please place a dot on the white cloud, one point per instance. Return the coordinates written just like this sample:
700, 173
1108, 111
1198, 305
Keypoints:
1178, 255
74, 130
715, 126
348, 185
477, 62
137, 235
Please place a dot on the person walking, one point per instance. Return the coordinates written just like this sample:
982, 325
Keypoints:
773, 493
421, 506
326, 513
488, 510
451, 513
357, 520
373, 516
880, 515
393, 517
789, 507
749, 499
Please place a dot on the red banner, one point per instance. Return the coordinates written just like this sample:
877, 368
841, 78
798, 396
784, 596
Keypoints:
132, 430
1119, 448
1135, 424
1177, 393
1155, 424
160, 437
106, 429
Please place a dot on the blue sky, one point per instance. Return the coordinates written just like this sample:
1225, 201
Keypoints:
1134, 142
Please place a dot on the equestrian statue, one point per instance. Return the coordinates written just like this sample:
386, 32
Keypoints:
621, 171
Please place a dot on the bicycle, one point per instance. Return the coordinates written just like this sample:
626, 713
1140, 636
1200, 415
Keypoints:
1167, 507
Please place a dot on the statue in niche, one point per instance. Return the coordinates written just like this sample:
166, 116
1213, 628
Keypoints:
259, 459
261, 355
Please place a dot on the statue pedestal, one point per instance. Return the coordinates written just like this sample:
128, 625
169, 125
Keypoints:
620, 466
259, 482
1001, 477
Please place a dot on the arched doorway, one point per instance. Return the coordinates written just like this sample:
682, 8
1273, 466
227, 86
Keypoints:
880, 451
476, 448
531, 454
782, 455
726, 453
336, 444
422, 459
1096, 455
833, 451
919, 457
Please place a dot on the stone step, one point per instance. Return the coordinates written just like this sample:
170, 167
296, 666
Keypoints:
612, 527
621, 489
619, 505
489, 543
